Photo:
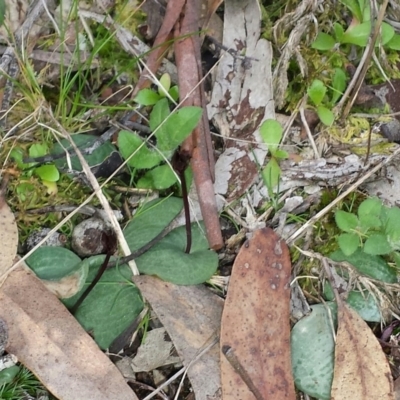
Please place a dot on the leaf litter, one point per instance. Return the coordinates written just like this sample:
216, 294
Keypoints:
246, 98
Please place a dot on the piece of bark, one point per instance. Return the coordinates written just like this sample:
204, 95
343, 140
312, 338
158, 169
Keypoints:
198, 144
242, 98
49, 341
256, 321
191, 315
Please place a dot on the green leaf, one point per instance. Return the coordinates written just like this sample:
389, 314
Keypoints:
354, 7
159, 178
387, 34
369, 214
394, 43
168, 260
178, 127
271, 174
313, 351
396, 258
323, 42
346, 221
158, 114
53, 263
147, 97
370, 265
112, 305
271, 133
150, 220
2, 11
7, 375
317, 92
338, 84
48, 173
38, 150
281, 154
17, 154
144, 158
348, 243
377, 244
362, 302
165, 83
174, 93
325, 115
98, 156
339, 31
392, 227
357, 34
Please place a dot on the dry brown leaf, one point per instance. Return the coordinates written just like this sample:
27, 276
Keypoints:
397, 389
361, 369
49, 341
191, 315
8, 237
255, 321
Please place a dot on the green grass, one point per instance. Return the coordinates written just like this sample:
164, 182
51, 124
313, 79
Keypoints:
23, 384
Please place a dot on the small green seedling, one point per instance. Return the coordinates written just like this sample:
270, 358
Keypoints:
375, 230
170, 130
271, 133
323, 99
148, 97
358, 32
48, 173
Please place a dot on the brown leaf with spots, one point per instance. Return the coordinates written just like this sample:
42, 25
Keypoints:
255, 321
49, 341
361, 368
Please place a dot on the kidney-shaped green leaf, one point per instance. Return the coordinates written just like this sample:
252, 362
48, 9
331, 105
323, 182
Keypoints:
82, 141
168, 260
53, 263
111, 306
150, 220
312, 350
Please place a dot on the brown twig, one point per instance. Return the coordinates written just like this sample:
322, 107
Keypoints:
199, 144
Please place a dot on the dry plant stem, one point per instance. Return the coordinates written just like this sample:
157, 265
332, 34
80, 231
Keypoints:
331, 279
325, 210
103, 201
199, 144
9, 63
161, 44
366, 60
307, 128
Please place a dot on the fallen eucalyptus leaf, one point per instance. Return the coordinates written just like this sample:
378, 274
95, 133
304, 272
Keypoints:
49, 341
361, 368
8, 237
191, 315
255, 321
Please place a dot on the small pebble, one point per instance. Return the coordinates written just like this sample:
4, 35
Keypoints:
87, 237
56, 239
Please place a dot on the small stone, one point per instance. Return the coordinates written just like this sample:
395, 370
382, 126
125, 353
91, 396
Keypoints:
87, 237
56, 239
